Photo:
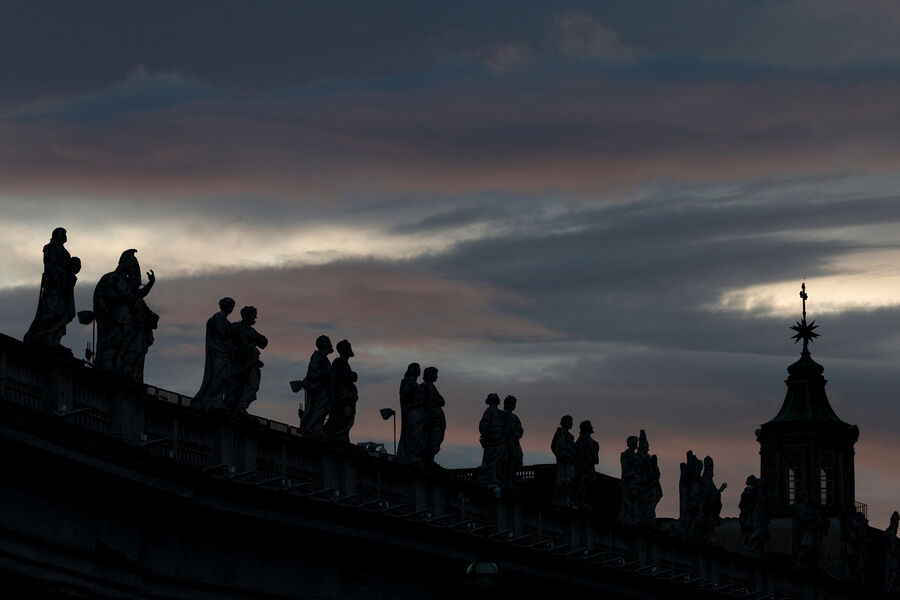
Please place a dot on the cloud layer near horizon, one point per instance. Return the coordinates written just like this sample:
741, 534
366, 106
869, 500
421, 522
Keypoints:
605, 211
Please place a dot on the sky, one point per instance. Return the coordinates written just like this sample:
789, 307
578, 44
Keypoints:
604, 209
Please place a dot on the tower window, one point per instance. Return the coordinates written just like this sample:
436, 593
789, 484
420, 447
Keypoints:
823, 486
794, 484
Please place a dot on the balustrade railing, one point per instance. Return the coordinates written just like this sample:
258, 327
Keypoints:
269, 453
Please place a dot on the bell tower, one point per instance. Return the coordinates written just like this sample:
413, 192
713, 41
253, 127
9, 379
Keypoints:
806, 451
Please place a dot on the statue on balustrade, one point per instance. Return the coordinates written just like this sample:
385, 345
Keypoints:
688, 486
56, 299
411, 448
810, 523
435, 422
641, 490
319, 386
343, 406
217, 370
492, 428
246, 365
703, 502
754, 518
125, 323
892, 556
854, 545
563, 448
630, 482
514, 433
587, 456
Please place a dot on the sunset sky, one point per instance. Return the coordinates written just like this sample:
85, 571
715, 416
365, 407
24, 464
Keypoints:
605, 209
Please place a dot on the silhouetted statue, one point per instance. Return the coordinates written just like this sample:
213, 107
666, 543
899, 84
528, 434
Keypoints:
641, 491
587, 456
412, 418
493, 440
343, 406
892, 556
563, 448
854, 546
703, 504
709, 503
245, 366
514, 433
217, 370
435, 422
688, 489
319, 386
810, 526
651, 490
56, 299
125, 323
630, 482
754, 518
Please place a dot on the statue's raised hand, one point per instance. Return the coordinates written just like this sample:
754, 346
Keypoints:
150, 276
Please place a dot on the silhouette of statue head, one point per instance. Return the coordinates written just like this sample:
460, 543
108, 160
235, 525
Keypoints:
632, 442
248, 314
585, 427
430, 374
708, 467
227, 305
344, 349
129, 266
58, 235
566, 422
492, 400
323, 343
413, 370
509, 403
751, 481
895, 521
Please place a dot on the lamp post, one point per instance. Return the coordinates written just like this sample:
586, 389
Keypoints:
387, 413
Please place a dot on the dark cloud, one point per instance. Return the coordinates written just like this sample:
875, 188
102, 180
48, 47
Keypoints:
583, 133
59, 48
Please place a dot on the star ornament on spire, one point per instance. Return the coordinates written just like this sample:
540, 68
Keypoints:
805, 331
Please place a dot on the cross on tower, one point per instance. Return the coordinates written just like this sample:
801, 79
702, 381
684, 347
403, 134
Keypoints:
804, 331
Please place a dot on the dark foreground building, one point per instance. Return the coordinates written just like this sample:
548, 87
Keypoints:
113, 489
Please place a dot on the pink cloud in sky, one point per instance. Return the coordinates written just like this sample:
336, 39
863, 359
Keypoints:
572, 135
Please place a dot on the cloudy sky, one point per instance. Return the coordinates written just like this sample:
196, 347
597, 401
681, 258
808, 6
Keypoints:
605, 209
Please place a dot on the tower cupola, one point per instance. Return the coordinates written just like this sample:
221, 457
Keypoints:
806, 451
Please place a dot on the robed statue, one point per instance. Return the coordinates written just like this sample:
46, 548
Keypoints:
754, 518
56, 300
412, 418
343, 405
492, 428
435, 421
125, 323
563, 448
514, 433
641, 490
245, 365
701, 500
587, 456
892, 556
217, 370
319, 387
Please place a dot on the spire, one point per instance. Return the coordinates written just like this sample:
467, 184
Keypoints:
806, 399
804, 331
